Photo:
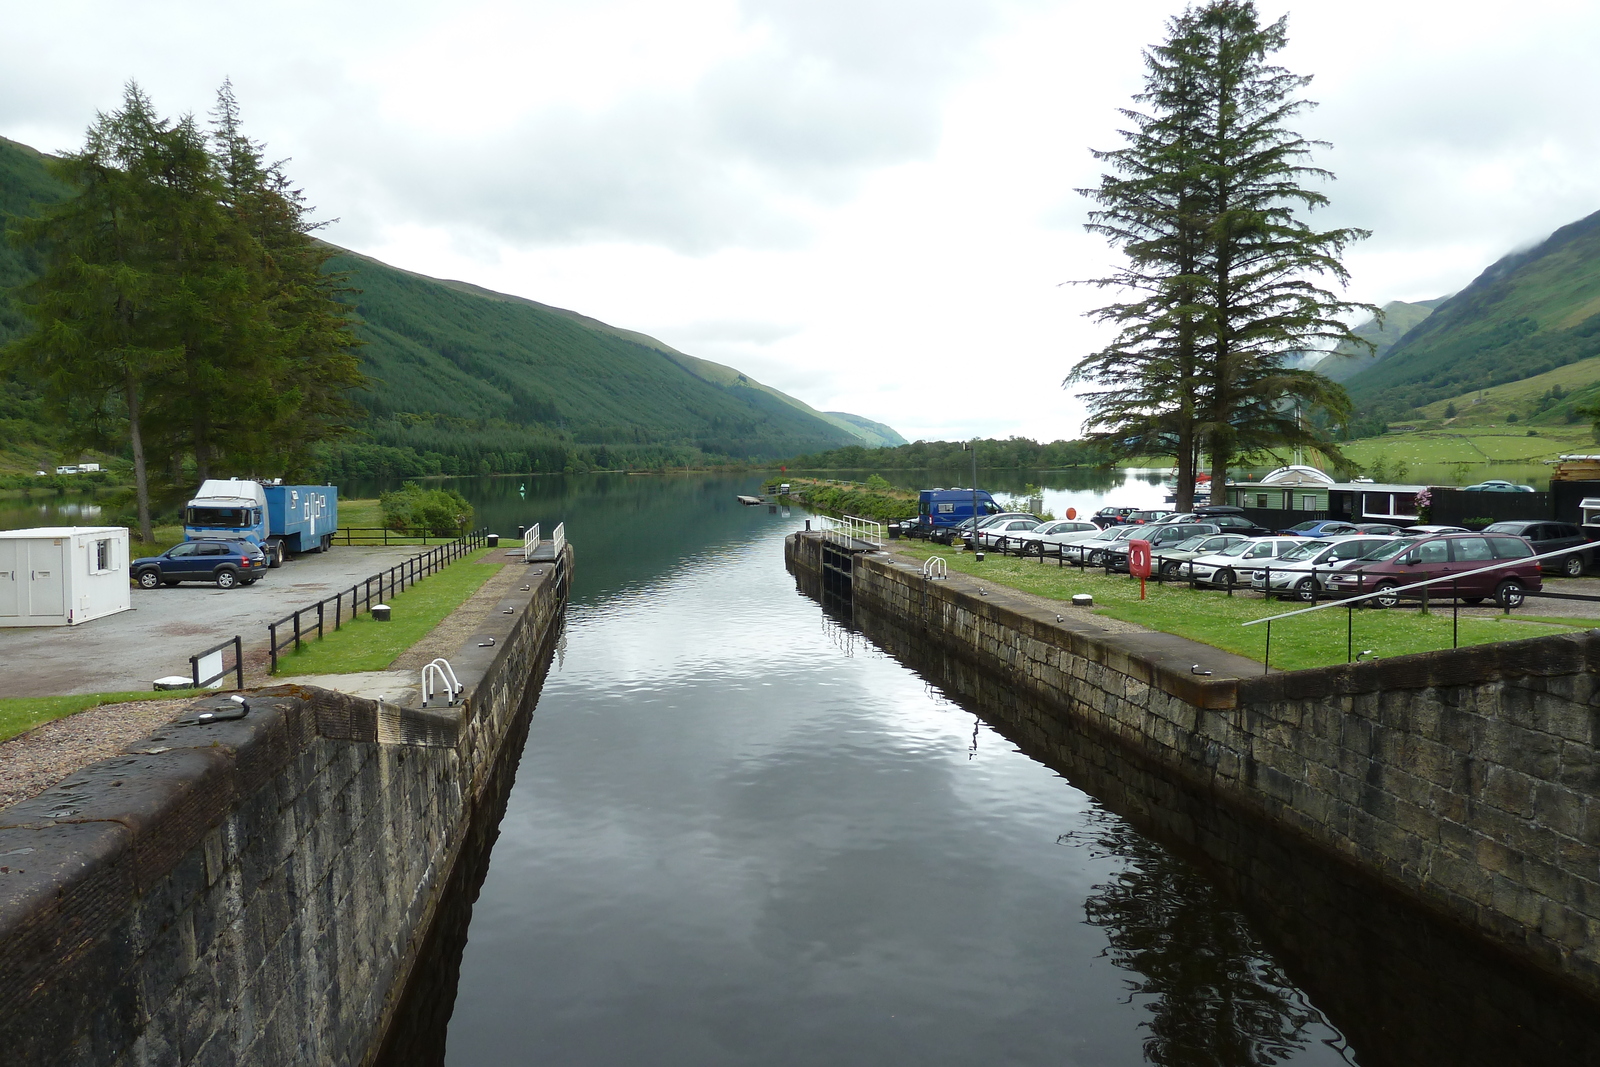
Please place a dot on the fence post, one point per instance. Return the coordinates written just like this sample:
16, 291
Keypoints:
297, 631
320, 603
272, 644
238, 661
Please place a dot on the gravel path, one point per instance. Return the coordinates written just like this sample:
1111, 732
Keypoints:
34, 761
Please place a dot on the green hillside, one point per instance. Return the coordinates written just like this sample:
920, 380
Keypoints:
876, 434
465, 380
1398, 318
1527, 314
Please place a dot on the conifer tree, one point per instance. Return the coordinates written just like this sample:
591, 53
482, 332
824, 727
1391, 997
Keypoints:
1205, 201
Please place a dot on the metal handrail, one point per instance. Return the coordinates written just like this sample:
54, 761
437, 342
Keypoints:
440, 671
530, 541
558, 537
934, 568
1396, 590
216, 650
851, 528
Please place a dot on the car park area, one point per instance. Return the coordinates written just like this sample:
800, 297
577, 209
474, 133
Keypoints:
127, 651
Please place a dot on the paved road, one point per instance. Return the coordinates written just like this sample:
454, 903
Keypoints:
166, 626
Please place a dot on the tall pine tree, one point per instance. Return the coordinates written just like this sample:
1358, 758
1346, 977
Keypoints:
1205, 201
183, 308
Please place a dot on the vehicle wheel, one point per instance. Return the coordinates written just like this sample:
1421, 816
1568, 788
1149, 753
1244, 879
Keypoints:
1387, 597
148, 578
1508, 594
1225, 577
1472, 601
1572, 566
1169, 569
327, 542
275, 554
227, 579
1306, 591
1096, 558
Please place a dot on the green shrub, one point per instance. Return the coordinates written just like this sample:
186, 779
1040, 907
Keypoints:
438, 511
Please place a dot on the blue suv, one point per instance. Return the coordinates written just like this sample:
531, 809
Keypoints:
226, 563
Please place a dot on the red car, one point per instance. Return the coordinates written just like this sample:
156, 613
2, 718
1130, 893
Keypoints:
1513, 571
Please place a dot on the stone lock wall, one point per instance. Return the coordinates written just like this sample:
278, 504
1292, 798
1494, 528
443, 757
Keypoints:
1467, 779
254, 891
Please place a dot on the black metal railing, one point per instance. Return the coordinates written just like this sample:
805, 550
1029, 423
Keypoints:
197, 660
380, 535
296, 628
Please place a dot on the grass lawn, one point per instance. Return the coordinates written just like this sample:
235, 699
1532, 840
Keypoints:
24, 713
364, 645
1214, 618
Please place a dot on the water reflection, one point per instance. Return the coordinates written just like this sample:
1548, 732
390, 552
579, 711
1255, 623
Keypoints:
1239, 940
1213, 994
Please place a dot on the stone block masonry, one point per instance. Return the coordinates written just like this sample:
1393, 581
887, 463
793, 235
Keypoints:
256, 891
1468, 780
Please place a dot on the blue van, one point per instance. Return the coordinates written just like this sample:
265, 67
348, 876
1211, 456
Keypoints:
940, 508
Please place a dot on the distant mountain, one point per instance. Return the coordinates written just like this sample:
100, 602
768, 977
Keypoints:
876, 434
1399, 317
1529, 313
467, 380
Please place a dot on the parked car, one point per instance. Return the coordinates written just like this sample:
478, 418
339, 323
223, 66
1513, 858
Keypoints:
225, 563
1551, 537
1225, 567
1321, 528
1303, 572
1146, 517
1430, 530
1381, 529
1092, 551
1058, 532
1111, 516
1512, 570
1115, 557
1497, 485
1444, 555
1170, 561
1010, 528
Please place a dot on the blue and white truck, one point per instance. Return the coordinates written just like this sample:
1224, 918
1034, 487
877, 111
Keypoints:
282, 519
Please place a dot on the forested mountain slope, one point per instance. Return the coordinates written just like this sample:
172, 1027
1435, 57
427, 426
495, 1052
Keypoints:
465, 380
1528, 313
1399, 317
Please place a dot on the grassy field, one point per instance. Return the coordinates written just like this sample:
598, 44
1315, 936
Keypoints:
24, 713
1212, 617
364, 645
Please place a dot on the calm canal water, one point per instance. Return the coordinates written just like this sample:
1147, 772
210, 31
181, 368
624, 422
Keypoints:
743, 832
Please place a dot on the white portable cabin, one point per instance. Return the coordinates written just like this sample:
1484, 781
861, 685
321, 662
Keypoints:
63, 575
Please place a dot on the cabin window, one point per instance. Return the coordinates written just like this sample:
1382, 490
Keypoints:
100, 557
1261, 500
1308, 503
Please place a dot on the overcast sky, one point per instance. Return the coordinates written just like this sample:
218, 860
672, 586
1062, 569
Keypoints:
866, 203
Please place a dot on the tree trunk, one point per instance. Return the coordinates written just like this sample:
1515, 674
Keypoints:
141, 479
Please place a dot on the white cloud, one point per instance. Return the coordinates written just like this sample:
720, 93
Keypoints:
867, 203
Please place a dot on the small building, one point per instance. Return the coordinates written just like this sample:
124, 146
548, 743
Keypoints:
63, 575
1293, 488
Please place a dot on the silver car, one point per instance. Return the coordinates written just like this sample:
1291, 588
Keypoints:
1226, 567
1303, 572
1093, 551
1058, 532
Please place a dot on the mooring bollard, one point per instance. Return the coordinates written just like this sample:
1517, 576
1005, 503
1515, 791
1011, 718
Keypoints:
380, 613
494, 540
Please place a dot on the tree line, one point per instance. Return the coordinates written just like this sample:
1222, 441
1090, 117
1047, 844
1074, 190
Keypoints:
1220, 272
181, 310
1013, 453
